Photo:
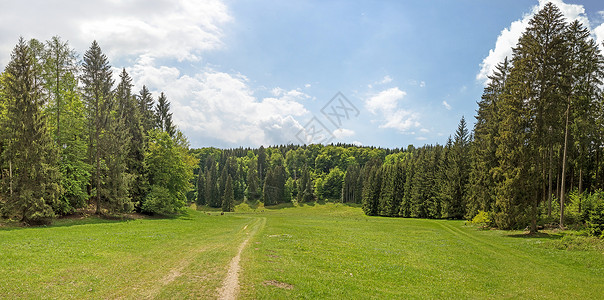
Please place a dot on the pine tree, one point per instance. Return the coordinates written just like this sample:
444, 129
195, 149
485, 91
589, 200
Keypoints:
268, 189
145, 107
97, 95
457, 172
164, 116
228, 198
371, 190
481, 194
350, 191
201, 188
212, 189
253, 190
34, 184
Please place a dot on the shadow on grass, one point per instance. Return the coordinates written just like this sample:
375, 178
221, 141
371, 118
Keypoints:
279, 206
538, 235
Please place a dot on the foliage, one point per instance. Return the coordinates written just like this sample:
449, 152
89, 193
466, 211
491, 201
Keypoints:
482, 219
171, 169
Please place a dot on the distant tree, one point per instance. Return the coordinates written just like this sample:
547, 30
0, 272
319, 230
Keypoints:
201, 188
352, 185
228, 198
253, 191
332, 184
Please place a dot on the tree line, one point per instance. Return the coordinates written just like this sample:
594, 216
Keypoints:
534, 156
71, 137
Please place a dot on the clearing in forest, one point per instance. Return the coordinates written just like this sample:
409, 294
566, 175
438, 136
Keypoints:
329, 251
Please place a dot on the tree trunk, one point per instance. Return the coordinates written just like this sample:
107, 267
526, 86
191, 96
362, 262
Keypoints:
58, 108
564, 168
10, 176
580, 187
98, 162
534, 212
549, 190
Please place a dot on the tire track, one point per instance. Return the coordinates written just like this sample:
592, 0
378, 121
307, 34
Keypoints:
230, 285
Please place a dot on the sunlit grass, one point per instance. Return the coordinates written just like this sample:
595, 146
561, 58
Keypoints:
311, 251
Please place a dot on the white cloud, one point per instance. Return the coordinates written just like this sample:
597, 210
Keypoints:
307, 85
385, 100
599, 33
179, 30
424, 130
422, 84
149, 36
342, 133
421, 138
446, 105
357, 143
509, 36
386, 105
220, 107
386, 79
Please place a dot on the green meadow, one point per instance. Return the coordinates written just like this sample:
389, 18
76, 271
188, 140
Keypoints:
321, 251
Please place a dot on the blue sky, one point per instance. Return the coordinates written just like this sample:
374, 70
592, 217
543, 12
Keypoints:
245, 73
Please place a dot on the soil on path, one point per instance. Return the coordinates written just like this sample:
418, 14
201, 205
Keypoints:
230, 285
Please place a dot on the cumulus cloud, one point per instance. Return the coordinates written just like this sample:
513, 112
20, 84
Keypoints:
509, 36
386, 105
179, 30
219, 106
149, 36
446, 105
342, 133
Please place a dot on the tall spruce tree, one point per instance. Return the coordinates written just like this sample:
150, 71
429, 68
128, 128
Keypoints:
481, 194
163, 115
135, 139
145, 106
97, 82
34, 184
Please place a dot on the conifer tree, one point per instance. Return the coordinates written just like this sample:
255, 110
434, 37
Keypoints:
201, 188
34, 184
228, 198
163, 115
97, 82
145, 106
481, 194
253, 191
350, 187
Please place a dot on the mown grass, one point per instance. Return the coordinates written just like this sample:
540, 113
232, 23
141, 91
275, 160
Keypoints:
96, 258
317, 251
335, 252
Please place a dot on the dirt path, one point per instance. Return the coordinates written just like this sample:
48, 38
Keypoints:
230, 285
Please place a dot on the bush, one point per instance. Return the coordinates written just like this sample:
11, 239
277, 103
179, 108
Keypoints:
161, 201
482, 219
596, 220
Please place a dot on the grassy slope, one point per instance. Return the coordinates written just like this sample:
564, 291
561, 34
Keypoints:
325, 252
322, 251
183, 257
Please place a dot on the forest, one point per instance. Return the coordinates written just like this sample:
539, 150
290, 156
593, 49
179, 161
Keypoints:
70, 139
73, 137
534, 157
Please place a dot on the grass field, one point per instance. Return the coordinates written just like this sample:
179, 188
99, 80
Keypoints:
326, 251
